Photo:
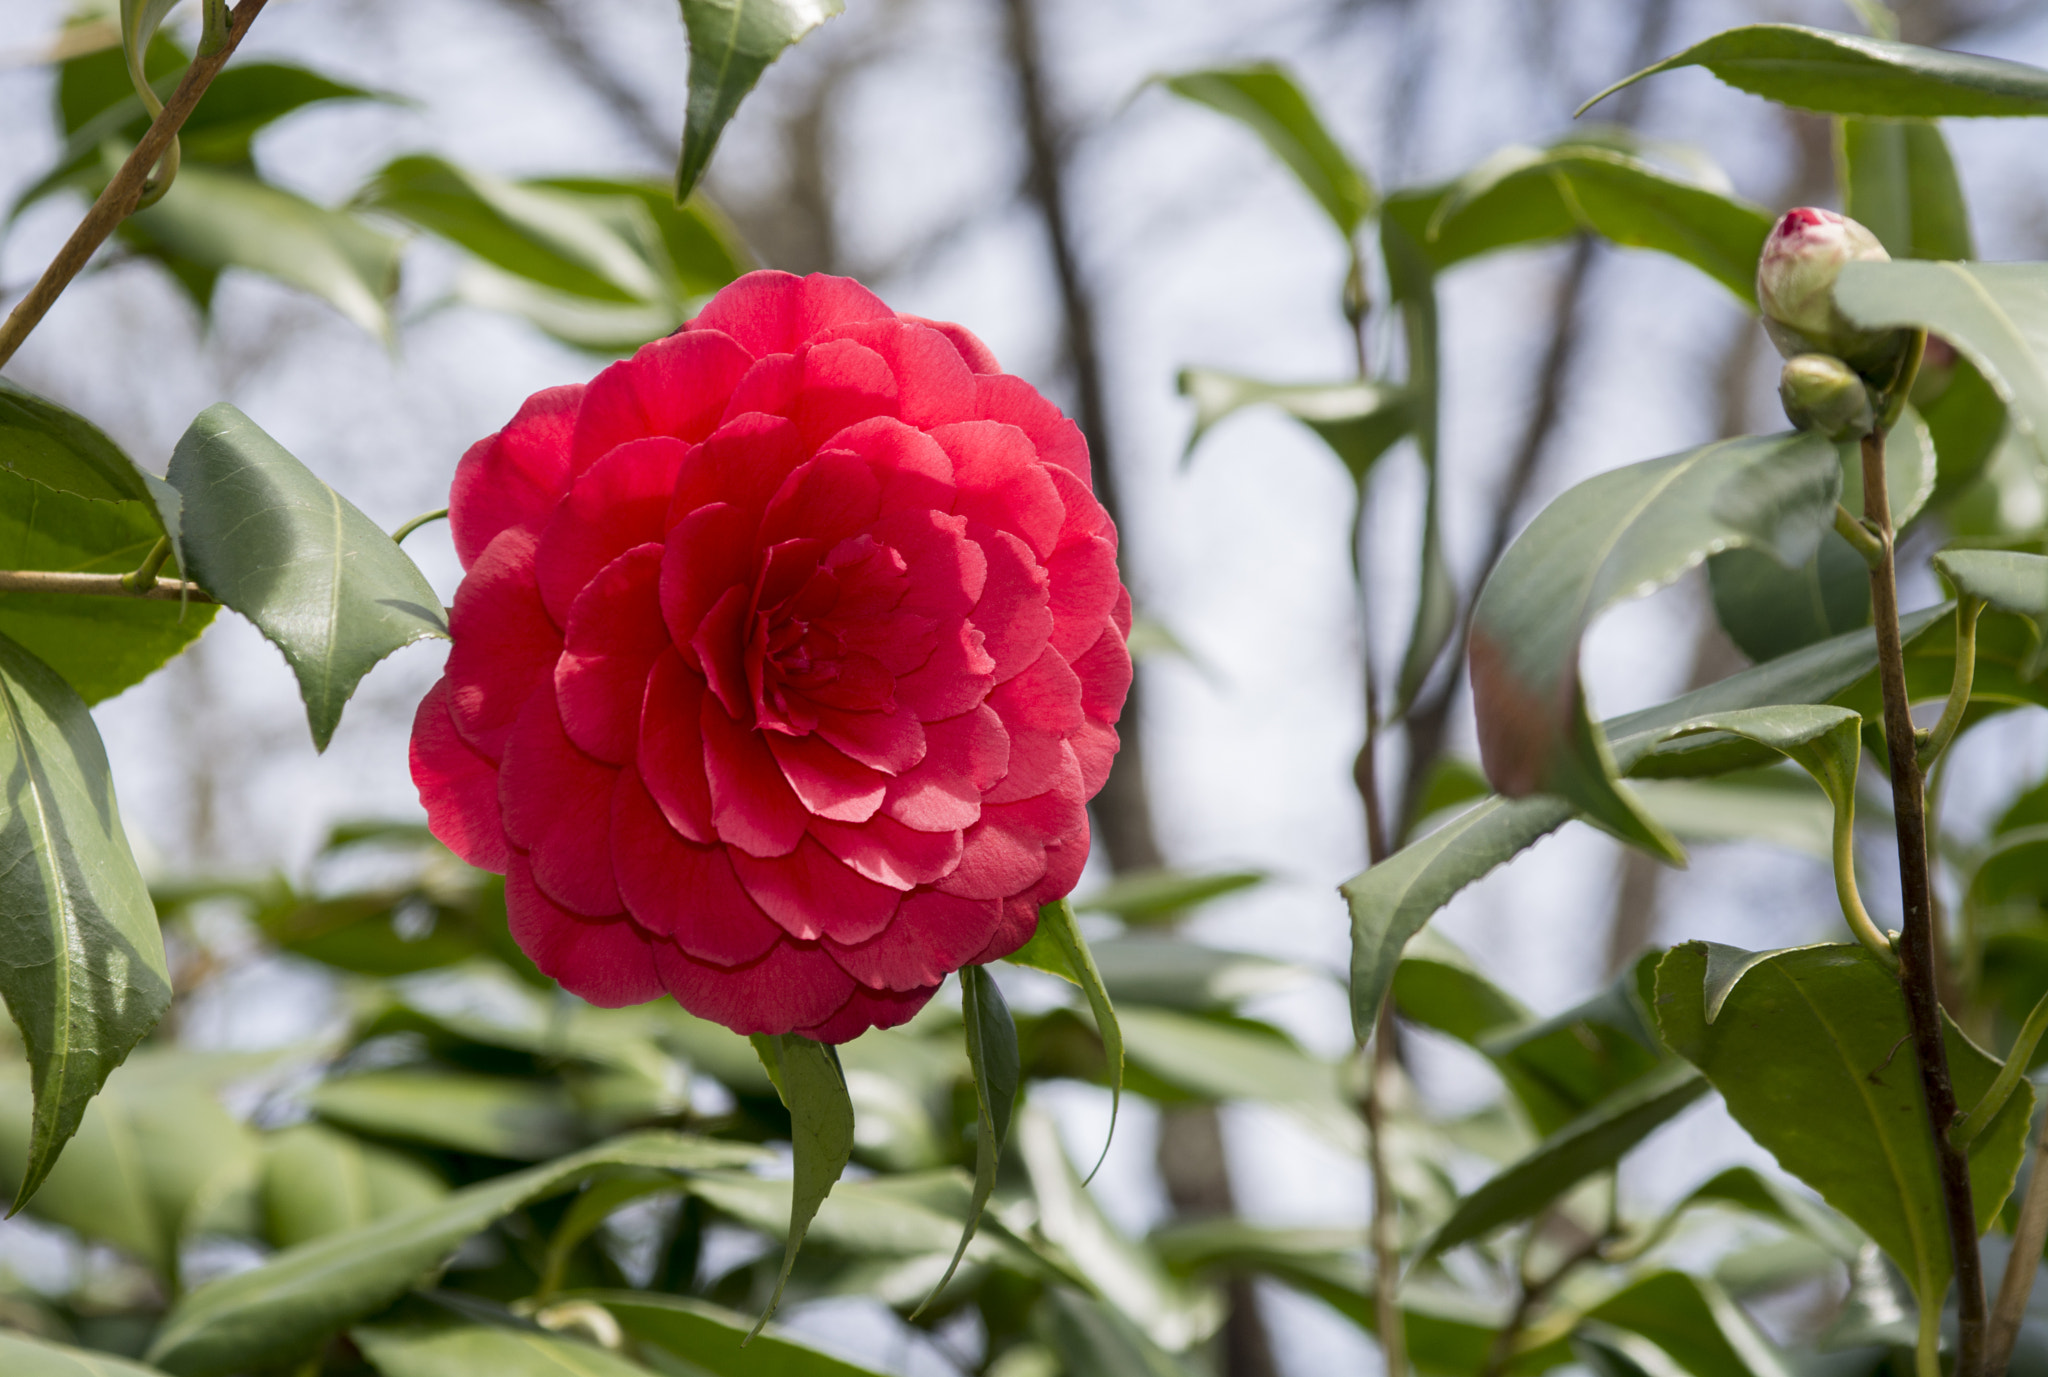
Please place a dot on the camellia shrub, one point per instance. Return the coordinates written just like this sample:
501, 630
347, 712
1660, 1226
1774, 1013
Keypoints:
790, 650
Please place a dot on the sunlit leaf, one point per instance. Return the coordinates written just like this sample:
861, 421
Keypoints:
1162, 896
731, 44
1618, 536
1846, 74
708, 1337
22, 1356
317, 1181
1900, 183
523, 1120
1265, 99
418, 1346
81, 958
316, 576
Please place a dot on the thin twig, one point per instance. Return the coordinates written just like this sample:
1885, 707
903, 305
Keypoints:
119, 199
97, 586
1533, 1294
2029, 1233
1916, 942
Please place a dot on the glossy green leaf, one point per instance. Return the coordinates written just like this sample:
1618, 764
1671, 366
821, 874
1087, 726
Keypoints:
316, 576
1266, 100
1164, 896
447, 1347
81, 959
290, 1304
1966, 420
22, 1356
703, 249
1593, 1142
1846, 74
594, 247
1807, 1053
99, 645
1359, 421
1695, 1323
496, 1116
1172, 1313
2007, 580
1768, 609
1618, 536
60, 449
1523, 195
213, 219
1093, 1340
708, 1337
317, 1181
813, 1087
1437, 986
1058, 917
1899, 181
1176, 974
731, 44
1824, 741
992, 1054
1390, 902
1995, 314
155, 1159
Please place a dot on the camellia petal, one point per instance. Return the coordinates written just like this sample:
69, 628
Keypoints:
789, 653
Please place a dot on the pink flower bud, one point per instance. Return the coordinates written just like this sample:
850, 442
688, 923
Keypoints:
1795, 286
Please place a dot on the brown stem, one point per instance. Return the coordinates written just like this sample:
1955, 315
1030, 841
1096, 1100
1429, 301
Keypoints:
1533, 1294
1916, 941
97, 586
118, 201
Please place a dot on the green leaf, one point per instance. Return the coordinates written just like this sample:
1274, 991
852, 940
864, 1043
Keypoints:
318, 1182
1411, 282
81, 959
1176, 974
1164, 896
447, 1347
139, 22
246, 98
1811, 1054
568, 242
1768, 610
22, 1356
1966, 420
708, 1337
1995, 314
60, 449
1523, 195
1172, 1314
1564, 1066
99, 645
1768, 805
703, 249
1265, 99
1359, 421
1437, 986
1390, 902
1900, 183
992, 1053
213, 219
2007, 580
1232, 1060
1593, 1142
319, 579
155, 1160
1093, 1340
1844, 74
290, 1304
496, 1116
1694, 1322
812, 1086
1613, 537
731, 44
1058, 916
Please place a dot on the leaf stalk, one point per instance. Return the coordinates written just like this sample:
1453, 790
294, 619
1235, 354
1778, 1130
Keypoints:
1968, 609
144, 578
1851, 528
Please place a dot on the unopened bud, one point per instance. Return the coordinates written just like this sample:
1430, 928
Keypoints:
1795, 286
1824, 394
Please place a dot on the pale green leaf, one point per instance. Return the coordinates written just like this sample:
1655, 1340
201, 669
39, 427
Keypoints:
1900, 183
316, 576
709, 1337
22, 1356
731, 44
1265, 99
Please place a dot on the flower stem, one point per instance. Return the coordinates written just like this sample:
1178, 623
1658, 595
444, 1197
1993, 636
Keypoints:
398, 536
1916, 942
125, 191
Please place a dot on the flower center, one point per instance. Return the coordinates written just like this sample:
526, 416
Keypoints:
826, 632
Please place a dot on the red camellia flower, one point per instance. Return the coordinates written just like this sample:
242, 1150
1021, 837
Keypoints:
787, 658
